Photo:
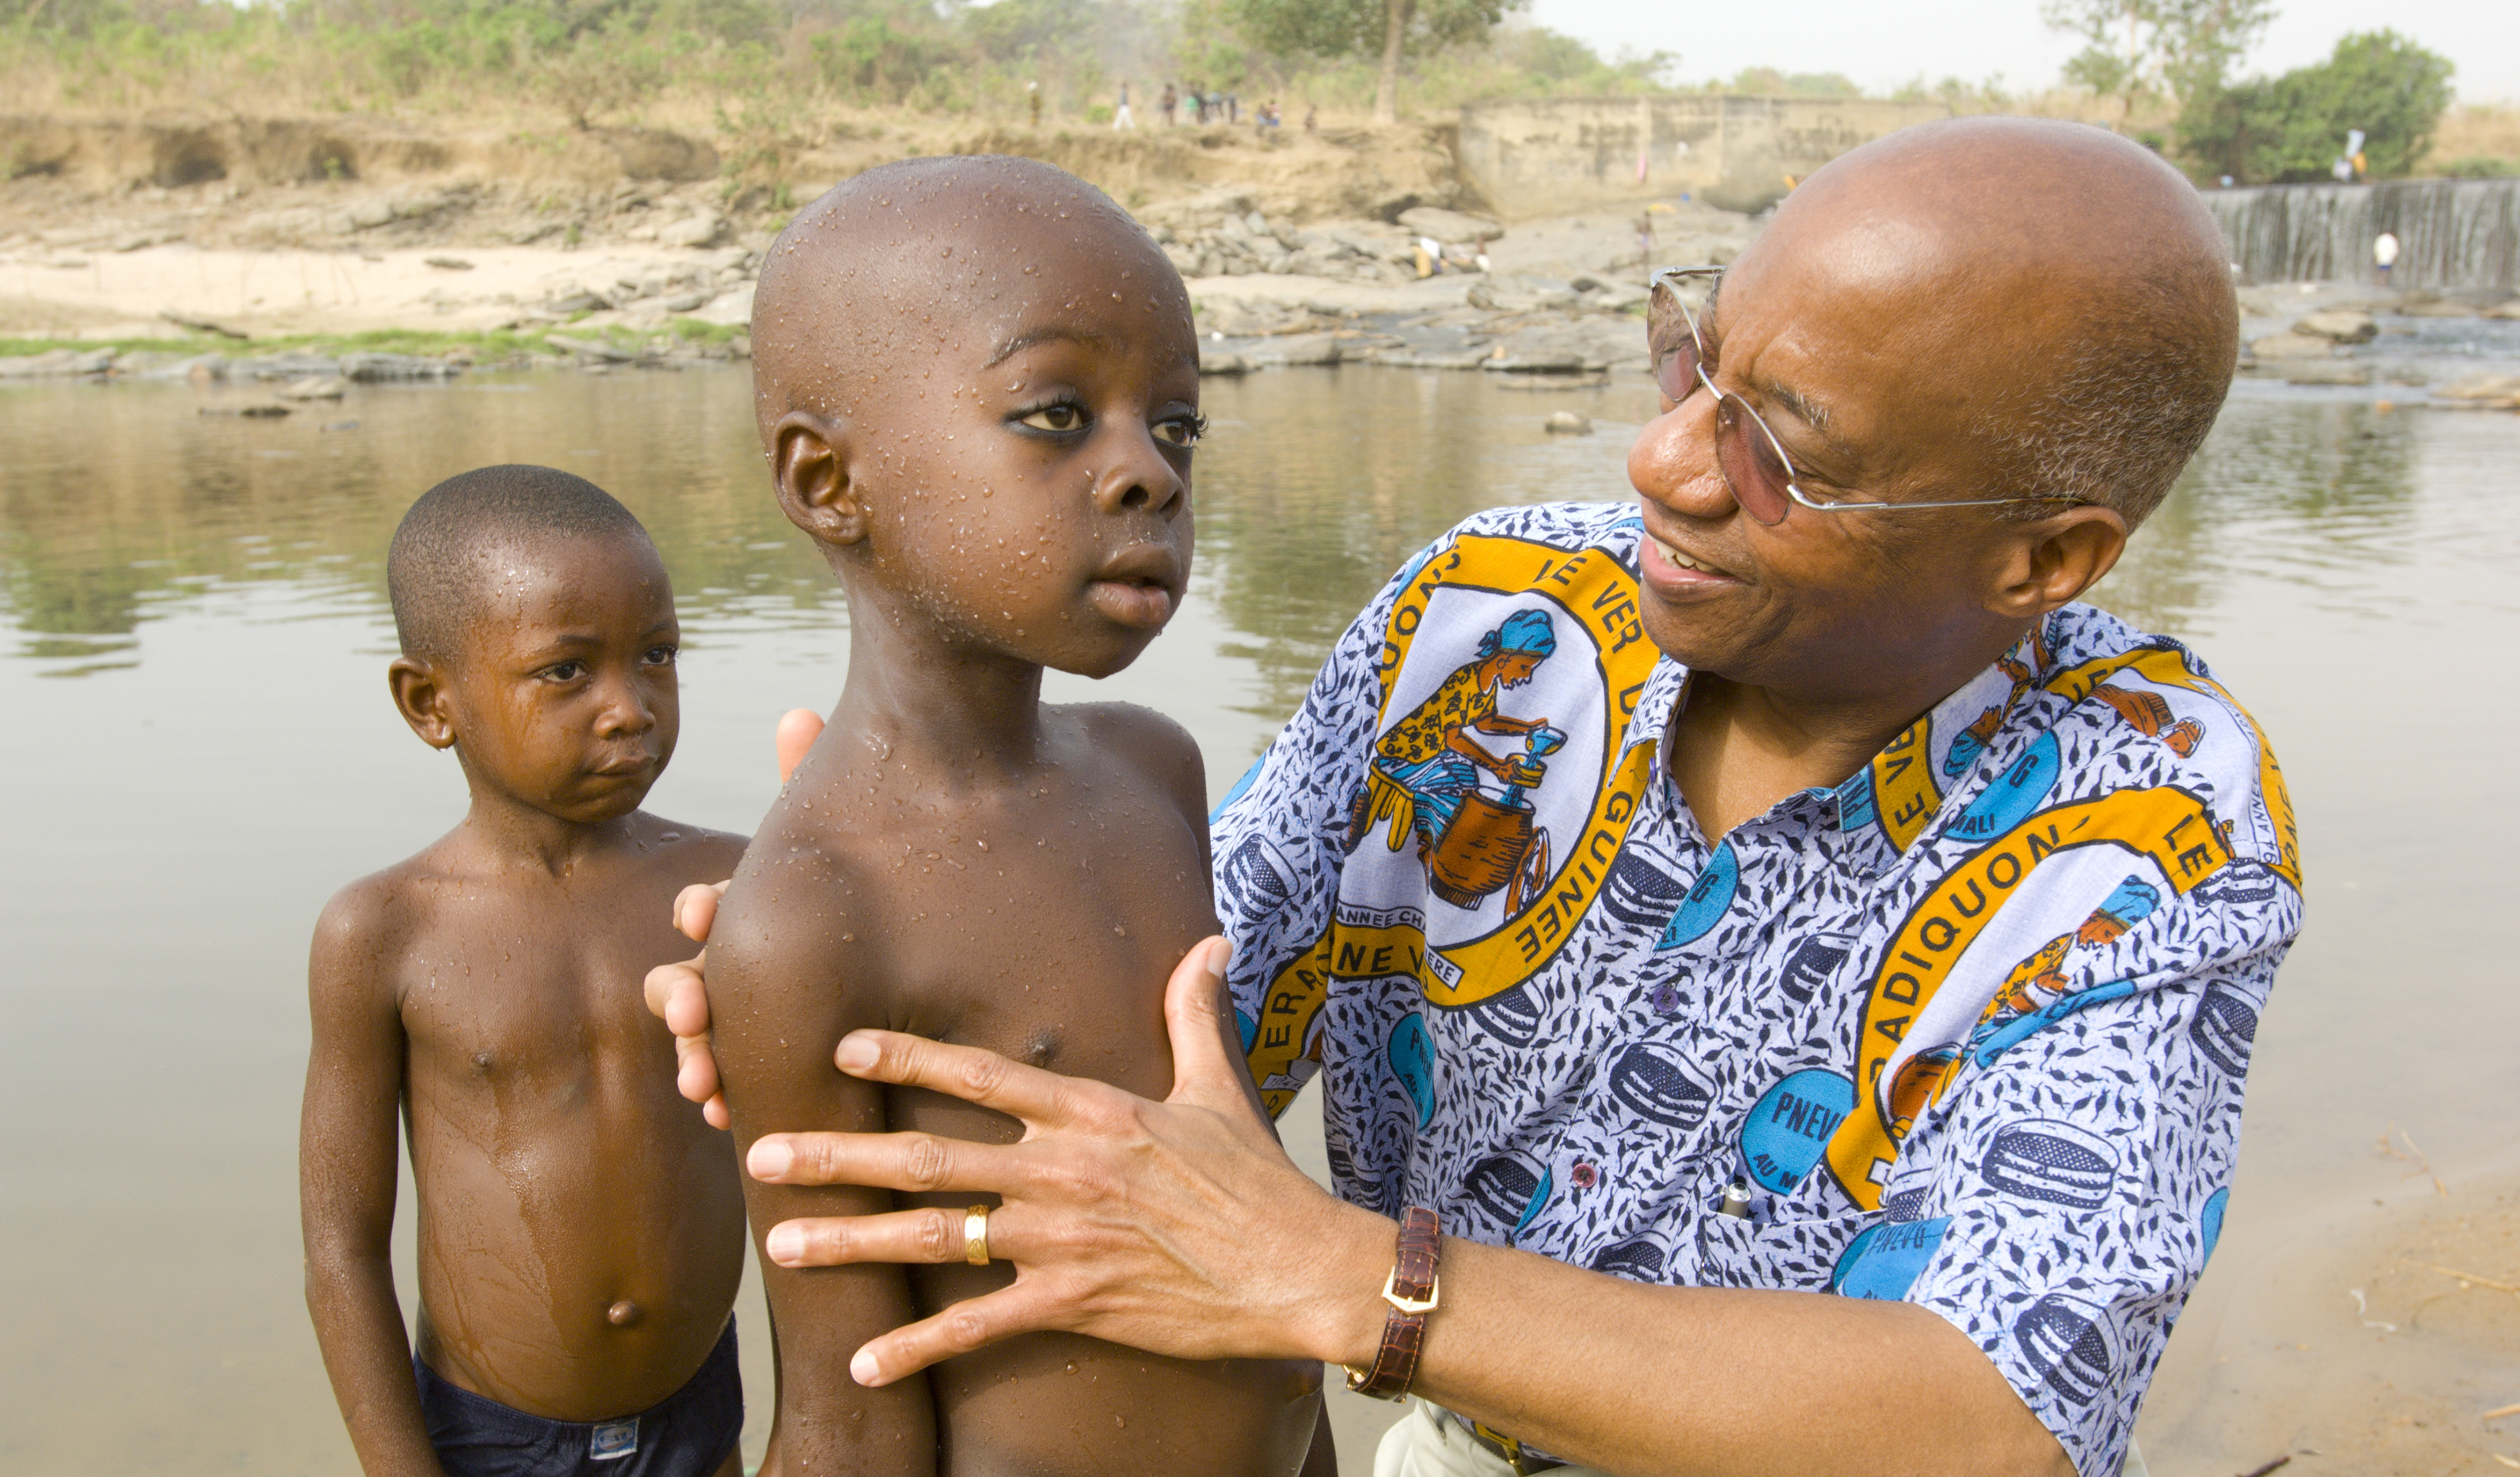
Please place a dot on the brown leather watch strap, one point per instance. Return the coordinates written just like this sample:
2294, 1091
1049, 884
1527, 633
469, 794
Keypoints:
1411, 1290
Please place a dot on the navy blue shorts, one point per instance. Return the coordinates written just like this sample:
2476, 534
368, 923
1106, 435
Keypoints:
686, 1436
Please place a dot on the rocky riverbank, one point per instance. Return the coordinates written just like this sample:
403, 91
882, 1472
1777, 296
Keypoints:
2329, 333
1430, 289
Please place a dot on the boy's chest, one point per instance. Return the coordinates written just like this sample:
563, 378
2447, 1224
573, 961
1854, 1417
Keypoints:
541, 992
1050, 943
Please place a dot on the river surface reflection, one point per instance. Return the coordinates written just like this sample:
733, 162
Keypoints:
196, 749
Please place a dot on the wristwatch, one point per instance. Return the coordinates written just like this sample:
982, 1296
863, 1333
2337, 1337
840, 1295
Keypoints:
1411, 1290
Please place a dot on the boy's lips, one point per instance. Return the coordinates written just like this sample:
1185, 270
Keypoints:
1137, 587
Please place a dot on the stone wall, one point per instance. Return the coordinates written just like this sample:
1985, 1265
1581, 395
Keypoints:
1546, 156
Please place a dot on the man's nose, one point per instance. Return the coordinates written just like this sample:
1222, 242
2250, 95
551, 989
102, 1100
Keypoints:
1139, 478
1673, 462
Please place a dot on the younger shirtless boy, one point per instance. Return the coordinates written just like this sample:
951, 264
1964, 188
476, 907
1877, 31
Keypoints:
978, 383
581, 1233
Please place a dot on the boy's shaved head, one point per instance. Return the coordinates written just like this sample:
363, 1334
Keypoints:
438, 557
915, 255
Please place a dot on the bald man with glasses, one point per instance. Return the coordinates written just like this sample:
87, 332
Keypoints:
1824, 1053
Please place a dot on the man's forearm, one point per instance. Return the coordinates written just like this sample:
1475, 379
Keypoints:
1685, 1381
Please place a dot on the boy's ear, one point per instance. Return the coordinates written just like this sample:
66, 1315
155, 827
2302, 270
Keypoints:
420, 696
809, 459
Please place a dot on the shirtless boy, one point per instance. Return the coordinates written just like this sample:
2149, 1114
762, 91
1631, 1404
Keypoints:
581, 1233
978, 383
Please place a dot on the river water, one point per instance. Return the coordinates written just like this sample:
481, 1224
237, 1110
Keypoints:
196, 749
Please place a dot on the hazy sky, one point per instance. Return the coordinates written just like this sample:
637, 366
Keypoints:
1882, 45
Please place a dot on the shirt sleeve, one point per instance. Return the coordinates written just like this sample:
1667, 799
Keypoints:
2058, 1206
1281, 836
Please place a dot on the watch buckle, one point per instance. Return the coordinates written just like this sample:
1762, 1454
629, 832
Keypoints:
1413, 1307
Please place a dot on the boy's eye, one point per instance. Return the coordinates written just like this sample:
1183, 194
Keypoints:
1181, 431
662, 656
564, 671
1057, 418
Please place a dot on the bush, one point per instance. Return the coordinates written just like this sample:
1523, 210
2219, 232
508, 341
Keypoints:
2480, 166
2290, 129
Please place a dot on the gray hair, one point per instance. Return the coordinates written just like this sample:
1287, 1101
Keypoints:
2118, 422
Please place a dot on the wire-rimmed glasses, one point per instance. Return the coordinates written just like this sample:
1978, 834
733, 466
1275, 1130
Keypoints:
1755, 467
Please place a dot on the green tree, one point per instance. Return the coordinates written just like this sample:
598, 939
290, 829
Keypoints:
2179, 48
1360, 27
2292, 128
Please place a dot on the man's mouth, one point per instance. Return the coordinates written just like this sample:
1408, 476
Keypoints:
1685, 566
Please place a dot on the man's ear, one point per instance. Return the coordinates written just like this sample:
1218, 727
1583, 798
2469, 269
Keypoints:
809, 459
2050, 562
420, 696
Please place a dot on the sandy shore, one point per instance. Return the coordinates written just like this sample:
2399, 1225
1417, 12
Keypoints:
2378, 1337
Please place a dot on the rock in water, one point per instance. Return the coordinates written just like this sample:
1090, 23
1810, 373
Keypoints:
2293, 346
1566, 423
2340, 325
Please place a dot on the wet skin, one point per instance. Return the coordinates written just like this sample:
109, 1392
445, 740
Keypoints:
1924, 290
1000, 488
581, 1233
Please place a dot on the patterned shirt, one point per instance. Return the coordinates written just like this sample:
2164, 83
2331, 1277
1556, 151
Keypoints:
1969, 1030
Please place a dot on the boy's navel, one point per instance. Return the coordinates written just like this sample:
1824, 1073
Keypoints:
1042, 1048
483, 1062
622, 1313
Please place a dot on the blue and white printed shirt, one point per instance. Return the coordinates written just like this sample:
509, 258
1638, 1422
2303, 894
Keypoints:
1971, 1028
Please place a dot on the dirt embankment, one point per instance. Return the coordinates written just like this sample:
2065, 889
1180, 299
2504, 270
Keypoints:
322, 225
336, 182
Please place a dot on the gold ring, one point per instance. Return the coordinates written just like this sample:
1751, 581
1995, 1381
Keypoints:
975, 1235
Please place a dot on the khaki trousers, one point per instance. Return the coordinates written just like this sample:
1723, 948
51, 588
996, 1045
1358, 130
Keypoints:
1427, 1444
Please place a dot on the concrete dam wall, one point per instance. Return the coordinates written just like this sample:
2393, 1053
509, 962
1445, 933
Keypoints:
1542, 157
2452, 233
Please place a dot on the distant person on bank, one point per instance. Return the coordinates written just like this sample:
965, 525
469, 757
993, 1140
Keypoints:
1829, 1055
2384, 255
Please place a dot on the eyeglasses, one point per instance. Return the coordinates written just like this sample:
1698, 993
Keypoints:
1755, 467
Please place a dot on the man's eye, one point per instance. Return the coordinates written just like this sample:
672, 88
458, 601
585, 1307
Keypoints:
1182, 431
1056, 418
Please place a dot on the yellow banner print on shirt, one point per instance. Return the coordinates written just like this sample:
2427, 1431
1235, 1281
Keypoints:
2170, 669
1589, 591
2171, 828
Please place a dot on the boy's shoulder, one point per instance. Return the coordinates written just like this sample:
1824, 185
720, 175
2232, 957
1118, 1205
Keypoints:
695, 853
1156, 746
389, 902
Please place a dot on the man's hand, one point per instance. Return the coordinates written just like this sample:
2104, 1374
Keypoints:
1178, 1226
678, 993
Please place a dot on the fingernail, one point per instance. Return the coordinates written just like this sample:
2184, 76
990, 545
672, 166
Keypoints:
863, 1367
857, 1053
770, 1158
784, 1245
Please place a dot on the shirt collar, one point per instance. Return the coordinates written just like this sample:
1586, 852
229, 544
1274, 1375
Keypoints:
1658, 700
